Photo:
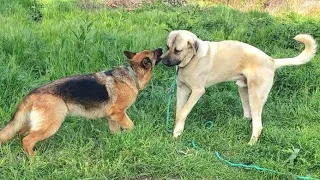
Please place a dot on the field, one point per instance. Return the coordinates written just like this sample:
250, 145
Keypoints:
40, 42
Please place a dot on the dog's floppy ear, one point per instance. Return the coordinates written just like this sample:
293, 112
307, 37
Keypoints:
146, 63
194, 45
129, 54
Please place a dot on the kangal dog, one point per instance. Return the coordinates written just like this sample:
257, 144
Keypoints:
203, 63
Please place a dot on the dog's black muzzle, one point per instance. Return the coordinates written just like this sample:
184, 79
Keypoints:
168, 62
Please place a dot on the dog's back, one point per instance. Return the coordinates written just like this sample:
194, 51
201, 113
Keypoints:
84, 90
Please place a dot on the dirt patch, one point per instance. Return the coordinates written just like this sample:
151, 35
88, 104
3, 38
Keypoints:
130, 4
305, 7
97, 4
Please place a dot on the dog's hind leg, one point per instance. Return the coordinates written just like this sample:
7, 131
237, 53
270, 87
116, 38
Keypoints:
244, 96
42, 133
258, 88
46, 118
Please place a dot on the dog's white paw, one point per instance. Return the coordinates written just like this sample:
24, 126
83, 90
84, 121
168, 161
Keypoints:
253, 141
177, 133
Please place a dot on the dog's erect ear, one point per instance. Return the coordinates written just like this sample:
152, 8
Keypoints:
129, 54
146, 63
157, 52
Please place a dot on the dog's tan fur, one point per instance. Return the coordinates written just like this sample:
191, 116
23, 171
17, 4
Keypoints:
42, 111
203, 63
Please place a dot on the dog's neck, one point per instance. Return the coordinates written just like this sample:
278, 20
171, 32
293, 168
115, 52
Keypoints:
142, 76
134, 76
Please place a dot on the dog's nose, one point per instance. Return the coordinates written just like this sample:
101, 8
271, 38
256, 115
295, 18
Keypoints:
165, 61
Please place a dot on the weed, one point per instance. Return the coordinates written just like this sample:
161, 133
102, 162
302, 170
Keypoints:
35, 11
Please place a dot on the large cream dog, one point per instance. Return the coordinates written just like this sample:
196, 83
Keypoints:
203, 63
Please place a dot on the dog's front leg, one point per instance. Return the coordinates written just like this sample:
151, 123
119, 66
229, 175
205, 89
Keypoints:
182, 115
183, 92
122, 120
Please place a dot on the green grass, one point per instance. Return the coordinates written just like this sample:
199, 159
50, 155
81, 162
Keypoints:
68, 40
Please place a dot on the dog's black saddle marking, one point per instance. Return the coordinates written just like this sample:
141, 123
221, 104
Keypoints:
84, 90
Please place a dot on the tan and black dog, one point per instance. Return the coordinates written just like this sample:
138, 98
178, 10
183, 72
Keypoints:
104, 94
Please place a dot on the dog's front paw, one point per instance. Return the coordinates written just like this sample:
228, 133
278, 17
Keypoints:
127, 126
253, 141
178, 129
177, 133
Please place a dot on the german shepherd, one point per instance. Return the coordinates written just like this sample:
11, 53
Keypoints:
103, 94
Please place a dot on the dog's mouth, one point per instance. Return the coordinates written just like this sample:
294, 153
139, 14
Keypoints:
171, 63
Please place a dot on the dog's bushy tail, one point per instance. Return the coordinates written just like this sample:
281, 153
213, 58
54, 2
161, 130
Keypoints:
306, 55
18, 121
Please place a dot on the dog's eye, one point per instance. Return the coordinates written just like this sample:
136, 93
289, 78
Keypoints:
177, 51
146, 59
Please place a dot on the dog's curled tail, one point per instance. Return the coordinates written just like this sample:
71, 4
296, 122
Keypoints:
17, 122
306, 55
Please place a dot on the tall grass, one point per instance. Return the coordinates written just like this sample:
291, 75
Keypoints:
66, 39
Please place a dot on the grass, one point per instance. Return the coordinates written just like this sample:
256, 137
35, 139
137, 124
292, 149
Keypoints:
43, 42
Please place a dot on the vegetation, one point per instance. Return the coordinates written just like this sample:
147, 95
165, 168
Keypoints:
46, 40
